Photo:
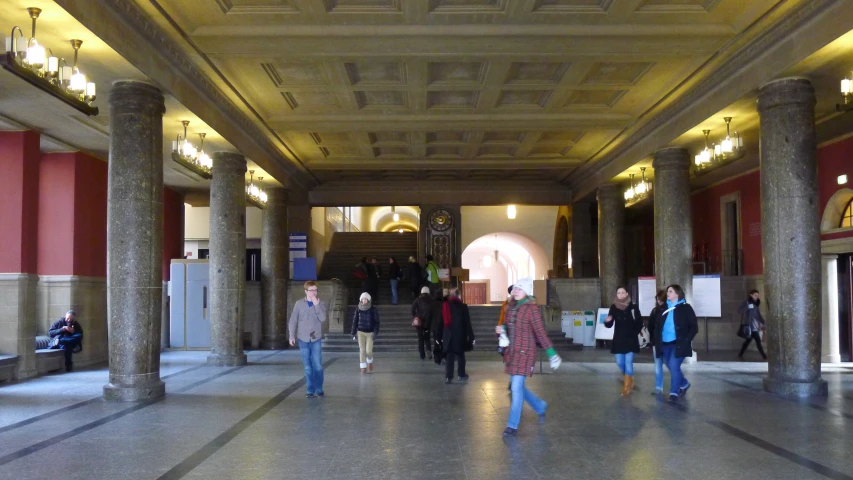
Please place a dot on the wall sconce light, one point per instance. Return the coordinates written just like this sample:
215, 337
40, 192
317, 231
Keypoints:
511, 212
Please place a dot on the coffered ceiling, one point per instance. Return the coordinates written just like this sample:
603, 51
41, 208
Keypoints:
451, 89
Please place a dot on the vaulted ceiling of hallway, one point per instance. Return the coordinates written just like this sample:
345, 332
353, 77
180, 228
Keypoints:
446, 89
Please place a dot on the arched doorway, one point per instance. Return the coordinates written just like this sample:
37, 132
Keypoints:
499, 259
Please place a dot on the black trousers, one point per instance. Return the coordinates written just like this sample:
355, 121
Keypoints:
424, 346
450, 357
755, 336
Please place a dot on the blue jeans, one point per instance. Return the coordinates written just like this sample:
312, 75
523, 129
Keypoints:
673, 363
312, 359
625, 361
68, 343
394, 283
658, 370
520, 395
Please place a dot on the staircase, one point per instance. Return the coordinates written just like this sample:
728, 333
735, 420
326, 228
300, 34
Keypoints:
397, 335
347, 250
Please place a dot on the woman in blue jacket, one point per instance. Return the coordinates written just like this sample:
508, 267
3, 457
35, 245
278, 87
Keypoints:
676, 329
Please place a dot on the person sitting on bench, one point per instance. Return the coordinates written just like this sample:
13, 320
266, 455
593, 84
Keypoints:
67, 335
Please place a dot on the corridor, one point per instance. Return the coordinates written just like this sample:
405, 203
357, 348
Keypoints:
402, 422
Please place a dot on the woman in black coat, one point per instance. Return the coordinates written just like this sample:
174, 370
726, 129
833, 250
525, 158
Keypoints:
626, 317
437, 327
458, 334
674, 333
422, 309
415, 275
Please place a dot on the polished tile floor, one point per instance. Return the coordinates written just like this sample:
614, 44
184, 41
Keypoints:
402, 422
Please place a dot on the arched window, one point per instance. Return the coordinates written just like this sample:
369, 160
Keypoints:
847, 216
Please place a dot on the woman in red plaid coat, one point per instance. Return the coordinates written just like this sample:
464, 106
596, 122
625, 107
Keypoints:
525, 329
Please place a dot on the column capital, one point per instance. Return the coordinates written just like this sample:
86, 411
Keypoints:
229, 162
786, 91
135, 96
610, 191
671, 158
277, 195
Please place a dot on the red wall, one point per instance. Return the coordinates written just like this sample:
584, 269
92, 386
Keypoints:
19, 182
834, 160
706, 221
72, 232
173, 228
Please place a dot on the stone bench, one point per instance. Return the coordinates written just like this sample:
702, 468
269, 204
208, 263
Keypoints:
48, 360
8, 363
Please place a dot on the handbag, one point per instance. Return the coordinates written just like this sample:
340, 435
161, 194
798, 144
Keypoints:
416, 322
744, 331
644, 337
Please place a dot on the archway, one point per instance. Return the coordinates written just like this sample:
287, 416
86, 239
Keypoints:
835, 209
517, 257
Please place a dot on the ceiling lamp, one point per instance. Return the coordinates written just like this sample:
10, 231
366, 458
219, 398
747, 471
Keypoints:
639, 192
510, 212
254, 194
396, 215
185, 154
487, 261
36, 64
400, 230
729, 149
846, 92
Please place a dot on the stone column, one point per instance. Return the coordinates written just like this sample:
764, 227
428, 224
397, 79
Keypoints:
829, 297
611, 241
135, 241
584, 262
790, 236
673, 220
227, 259
275, 270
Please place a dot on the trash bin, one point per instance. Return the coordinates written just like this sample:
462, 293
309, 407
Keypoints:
577, 327
588, 329
566, 322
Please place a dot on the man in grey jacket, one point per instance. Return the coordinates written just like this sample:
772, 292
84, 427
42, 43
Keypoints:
306, 327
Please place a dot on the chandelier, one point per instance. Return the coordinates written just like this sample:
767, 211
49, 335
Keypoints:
41, 68
730, 148
639, 192
185, 154
254, 194
847, 93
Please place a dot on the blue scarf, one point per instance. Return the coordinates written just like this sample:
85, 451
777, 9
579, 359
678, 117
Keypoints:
668, 331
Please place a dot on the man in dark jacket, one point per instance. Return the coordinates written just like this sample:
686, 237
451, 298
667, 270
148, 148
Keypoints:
67, 335
458, 335
415, 276
422, 309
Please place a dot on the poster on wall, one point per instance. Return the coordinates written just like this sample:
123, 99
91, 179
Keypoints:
646, 291
706, 296
298, 248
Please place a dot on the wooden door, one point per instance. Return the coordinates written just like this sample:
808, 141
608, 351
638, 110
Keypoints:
474, 293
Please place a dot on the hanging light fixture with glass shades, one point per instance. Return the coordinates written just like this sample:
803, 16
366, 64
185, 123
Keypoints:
396, 215
639, 192
847, 94
185, 154
729, 149
37, 64
254, 194
510, 212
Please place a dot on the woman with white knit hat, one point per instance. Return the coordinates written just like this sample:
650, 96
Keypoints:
365, 329
525, 329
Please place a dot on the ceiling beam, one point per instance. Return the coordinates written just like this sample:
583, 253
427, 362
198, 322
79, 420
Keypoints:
436, 192
788, 35
129, 30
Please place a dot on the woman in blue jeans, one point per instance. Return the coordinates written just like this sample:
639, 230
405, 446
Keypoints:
628, 321
660, 301
676, 329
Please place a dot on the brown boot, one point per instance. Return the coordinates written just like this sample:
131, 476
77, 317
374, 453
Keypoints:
370, 367
628, 385
363, 371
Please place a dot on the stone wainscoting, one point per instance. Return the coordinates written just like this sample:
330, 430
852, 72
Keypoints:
17, 322
85, 295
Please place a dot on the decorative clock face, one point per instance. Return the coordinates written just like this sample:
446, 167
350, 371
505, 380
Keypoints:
440, 220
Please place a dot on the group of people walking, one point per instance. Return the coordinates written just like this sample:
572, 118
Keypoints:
370, 274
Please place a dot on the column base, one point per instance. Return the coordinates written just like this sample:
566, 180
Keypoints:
121, 393
830, 359
818, 388
227, 360
274, 344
